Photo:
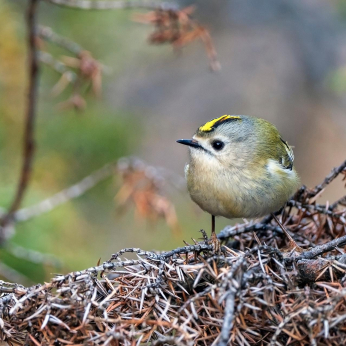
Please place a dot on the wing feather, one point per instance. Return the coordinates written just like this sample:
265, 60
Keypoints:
288, 157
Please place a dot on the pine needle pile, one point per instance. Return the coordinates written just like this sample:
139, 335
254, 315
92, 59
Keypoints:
257, 290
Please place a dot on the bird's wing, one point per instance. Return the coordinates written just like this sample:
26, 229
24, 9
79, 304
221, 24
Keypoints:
286, 155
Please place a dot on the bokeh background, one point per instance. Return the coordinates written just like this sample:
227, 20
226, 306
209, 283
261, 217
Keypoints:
282, 60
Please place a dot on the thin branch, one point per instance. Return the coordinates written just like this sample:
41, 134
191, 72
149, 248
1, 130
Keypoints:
29, 140
81, 187
113, 5
321, 249
12, 274
328, 179
314, 208
48, 34
231, 231
10, 287
65, 195
32, 255
232, 291
340, 201
57, 66
228, 317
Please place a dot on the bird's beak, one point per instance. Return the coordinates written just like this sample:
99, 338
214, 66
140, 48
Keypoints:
190, 142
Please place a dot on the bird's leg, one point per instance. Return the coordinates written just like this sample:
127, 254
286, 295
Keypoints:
213, 225
292, 243
214, 240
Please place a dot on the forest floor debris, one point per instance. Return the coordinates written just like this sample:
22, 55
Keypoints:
256, 291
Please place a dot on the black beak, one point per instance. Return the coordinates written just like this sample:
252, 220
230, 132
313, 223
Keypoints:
190, 142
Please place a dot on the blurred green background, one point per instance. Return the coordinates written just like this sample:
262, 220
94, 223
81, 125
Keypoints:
281, 60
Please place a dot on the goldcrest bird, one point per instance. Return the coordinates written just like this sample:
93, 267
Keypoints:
239, 167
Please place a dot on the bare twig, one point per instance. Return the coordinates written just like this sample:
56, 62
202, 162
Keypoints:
65, 195
48, 34
232, 231
113, 5
340, 201
315, 207
29, 140
232, 288
12, 274
329, 178
32, 255
229, 316
58, 66
321, 249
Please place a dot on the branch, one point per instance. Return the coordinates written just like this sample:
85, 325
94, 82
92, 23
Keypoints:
321, 209
12, 274
65, 195
57, 66
231, 231
341, 201
232, 291
328, 179
87, 183
32, 255
29, 140
113, 5
228, 317
321, 249
48, 34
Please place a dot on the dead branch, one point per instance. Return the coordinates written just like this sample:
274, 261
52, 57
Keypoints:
66, 195
12, 274
176, 27
46, 33
58, 66
28, 139
231, 286
232, 231
32, 256
112, 5
340, 201
328, 179
321, 249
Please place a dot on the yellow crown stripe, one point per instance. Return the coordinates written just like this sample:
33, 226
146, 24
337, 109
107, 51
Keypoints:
210, 124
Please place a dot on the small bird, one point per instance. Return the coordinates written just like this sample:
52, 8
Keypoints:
239, 167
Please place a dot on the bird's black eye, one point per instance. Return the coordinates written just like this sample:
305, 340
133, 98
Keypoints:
217, 145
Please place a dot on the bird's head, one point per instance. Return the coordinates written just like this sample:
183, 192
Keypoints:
229, 140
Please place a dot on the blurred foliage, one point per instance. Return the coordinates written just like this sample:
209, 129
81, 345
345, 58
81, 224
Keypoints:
341, 9
337, 81
70, 145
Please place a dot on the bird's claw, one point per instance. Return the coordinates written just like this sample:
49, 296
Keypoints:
215, 242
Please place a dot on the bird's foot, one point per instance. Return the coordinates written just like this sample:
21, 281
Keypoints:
215, 242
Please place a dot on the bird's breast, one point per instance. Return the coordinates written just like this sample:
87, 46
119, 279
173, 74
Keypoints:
238, 192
